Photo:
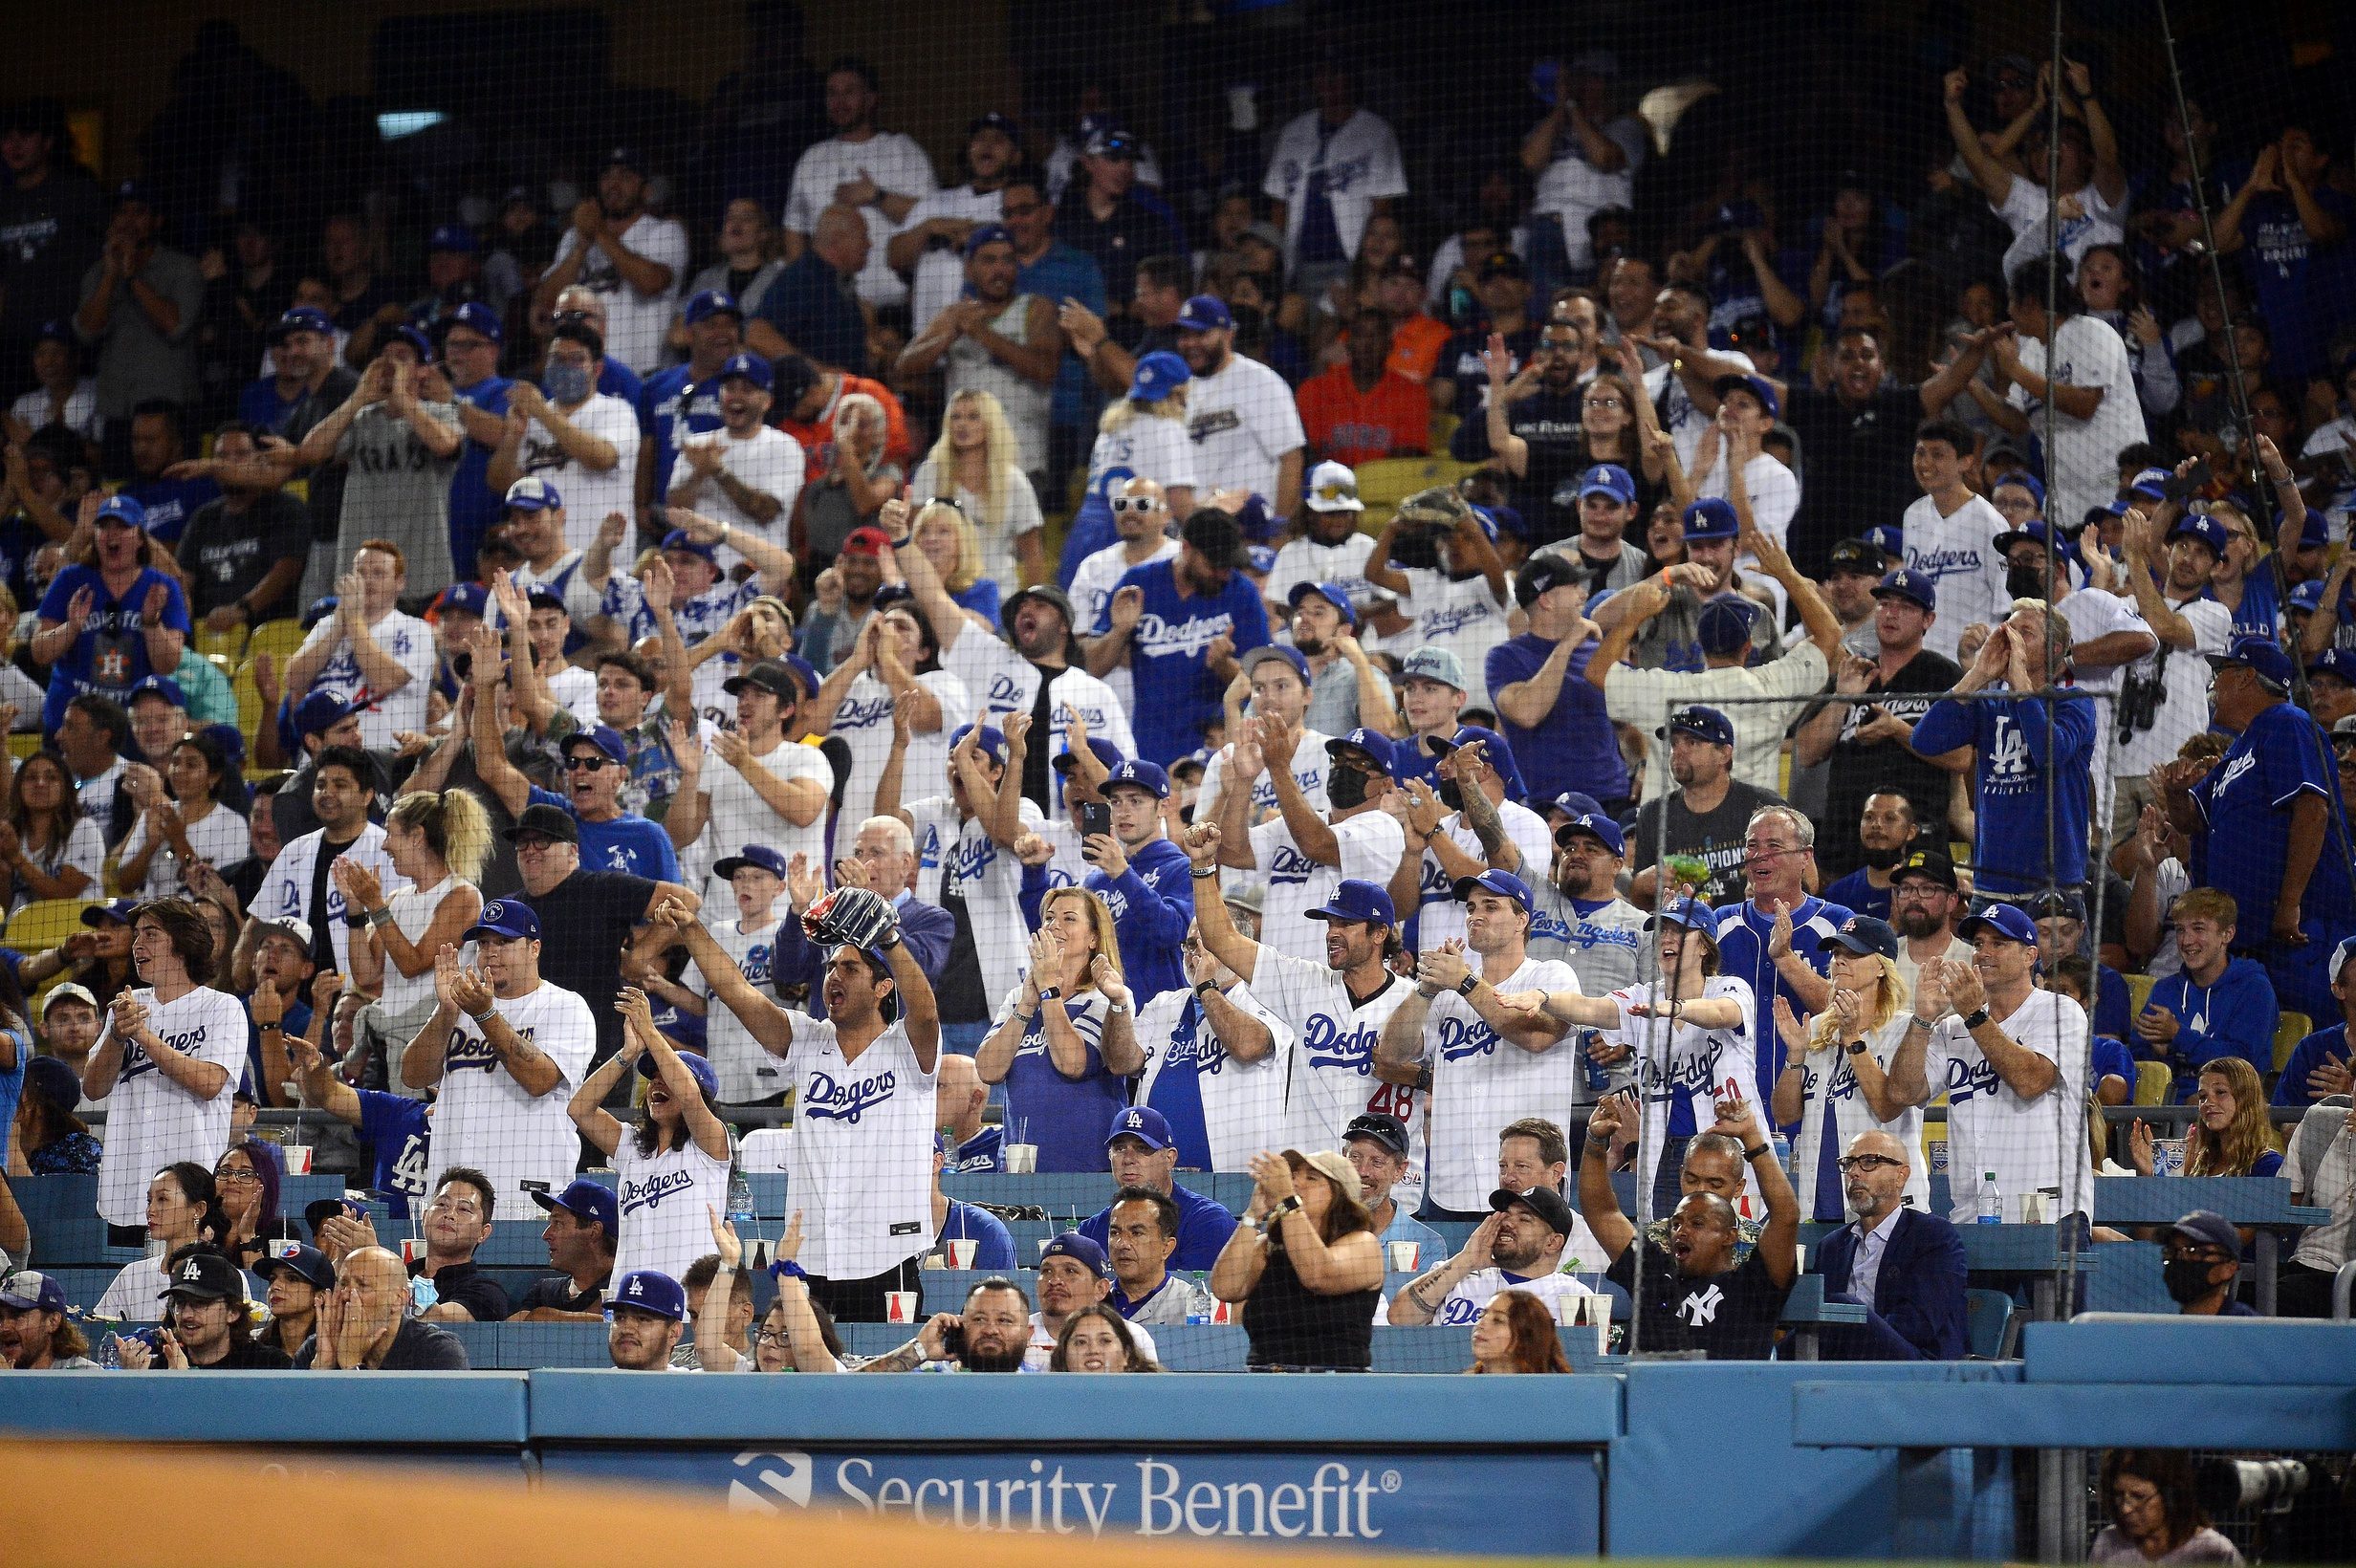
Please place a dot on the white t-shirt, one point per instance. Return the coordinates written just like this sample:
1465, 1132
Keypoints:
1305, 561
1559, 1291
1092, 592
860, 1170
962, 860
1829, 1079
409, 642
664, 1198
1576, 189
81, 409
152, 1121
1243, 1101
2184, 688
1643, 697
1308, 771
1334, 1042
1772, 489
864, 722
767, 462
2092, 614
221, 838
2084, 462
135, 1294
285, 886
1439, 916
1242, 422
736, 815
747, 1071
1359, 161
940, 275
1462, 615
1371, 843
1146, 447
2025, 212
999, 681
1021, 505
2029, 1144
1959, 554
589, 494
1686, 1066
634, 322
897, 166
1679, 417
575, 689
84, 850
484, 1118
1480, 1082
413, 909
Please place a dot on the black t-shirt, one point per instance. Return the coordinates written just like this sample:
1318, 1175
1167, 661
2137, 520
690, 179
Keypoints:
326, 485
556, 1291
252, 1356
417, 1347
585, 919
315, 913
1546, 494
1859, 770
49, 236
1857, 467
1729, 1316
467, 1285
225, 553
1716, 837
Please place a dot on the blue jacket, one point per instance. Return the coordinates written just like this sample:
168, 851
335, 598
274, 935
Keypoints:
1153, 903
2235, 1017
2322, 1046
926, 928
1919, 1289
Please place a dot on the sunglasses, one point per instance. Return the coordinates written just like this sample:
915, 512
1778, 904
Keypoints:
577, 764
1134, 503
1336, 492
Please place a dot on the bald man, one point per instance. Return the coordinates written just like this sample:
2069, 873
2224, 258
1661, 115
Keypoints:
363, 1325
1904, 1265
959, 1095
812, 309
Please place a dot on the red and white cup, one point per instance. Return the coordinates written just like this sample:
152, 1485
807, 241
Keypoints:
298, 1159
961, 1253
413, 1249
900, 1306
1406, 1256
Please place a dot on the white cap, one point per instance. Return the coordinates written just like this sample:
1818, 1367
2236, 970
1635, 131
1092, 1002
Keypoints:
70, 993
298, 929
1334, 488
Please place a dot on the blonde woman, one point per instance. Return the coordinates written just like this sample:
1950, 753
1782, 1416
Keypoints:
748, 264
977, 464
438, 841
953, 545
1064, 1039
1143, 435
1839, 1063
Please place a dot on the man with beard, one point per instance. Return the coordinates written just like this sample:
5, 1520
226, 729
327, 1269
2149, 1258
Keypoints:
1364, 409
1672, 638
1530, 426
649, 1314
991, 1334
37, 1333
1926, 900
1347, 691
1579, 919
1905, 1266
244, 551
1181, 624
209, 1323
931, 241
878, 175
1886, 833
1708, 811
1519, 1246
1868, 746
1683, 385
1240, 415
619, 250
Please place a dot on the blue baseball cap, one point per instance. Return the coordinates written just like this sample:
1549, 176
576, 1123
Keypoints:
1494, 749
411, 334
123, 508
2262, 656
1078, 1247
119, 911
508, 918
1703, 724
605, 737
454, 236
1372, 742
2097, 517
1357, 899
1503, 883
988, 233
993, 741
1725, 625
1332, 593
649, 1291
707, 1077
2037, 532
2008, 921
1711, 518
321, 710
748, 367
27, 1290
1157, 376
476, 318
541, 596
1143, 1122
2307, 595
1863, 934
2316, 534
1690, 913
1572, 803
1593, 825
1283, 653
2339, 961
585, 1200
2339, 664
319, 610
1487, 517
1758, 386
2028, 482
471, 597
1260, 559
707, 303
159, 686
1139, 774
533, 494
1608, 479
679, 539
306, 1262
753, 857
1204, 313
2204, 527
1910, 585
1888, 538
301, 318
2152, 484
1098, 748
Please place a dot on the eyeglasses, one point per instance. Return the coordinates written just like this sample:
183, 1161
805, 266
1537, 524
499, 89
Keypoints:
1135, 503
577, 763
772, 1337
1868, 1161
238, 1176
1606, 402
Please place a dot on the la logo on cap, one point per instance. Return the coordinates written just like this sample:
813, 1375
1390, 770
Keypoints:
638, 1286
1136, 1121
189, 1271
496, 911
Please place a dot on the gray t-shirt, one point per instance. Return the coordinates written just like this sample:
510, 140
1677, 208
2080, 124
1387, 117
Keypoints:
828, 515
1333, 699
398, 491
136, 361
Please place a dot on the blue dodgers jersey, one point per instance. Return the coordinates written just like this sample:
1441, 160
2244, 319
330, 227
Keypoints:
661, 402
2245, 799
400, 1131
1177, 694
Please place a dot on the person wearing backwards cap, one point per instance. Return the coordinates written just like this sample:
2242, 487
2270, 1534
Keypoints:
747, 474
2267, 823
1331, 547
209, 1324
506, 1048
105, 627
673, 1168
997, 339
622, 253
1180, 625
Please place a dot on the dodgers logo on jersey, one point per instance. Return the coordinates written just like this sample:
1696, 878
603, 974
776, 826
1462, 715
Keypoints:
1289, 866
1194, 1048
1156, 638
2234, 770
1691, 1076
824, 1098
1328, 1047
862, 713
1446, 619
650, 1192
1462, 1038
2009, 761
1970, 1079
1457, 1311
755, 965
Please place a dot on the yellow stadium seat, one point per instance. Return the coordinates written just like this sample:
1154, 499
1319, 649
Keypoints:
44, 923
2139, 992
248, 705
229, 645
2152, 1082
279, 638
23, 743
2294, 1027
1382, 486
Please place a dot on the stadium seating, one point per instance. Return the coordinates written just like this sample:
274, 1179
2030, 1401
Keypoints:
2294, 1027
2139, 992
2153, 1082
1382, 486
1989, 1324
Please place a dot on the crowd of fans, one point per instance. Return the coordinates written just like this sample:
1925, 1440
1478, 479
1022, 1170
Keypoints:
1814, 618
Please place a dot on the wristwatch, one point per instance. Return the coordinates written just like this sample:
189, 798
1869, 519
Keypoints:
1205, 986
1465, 985
1973, 1020
1051, 994
1763, 1148
1855, 1048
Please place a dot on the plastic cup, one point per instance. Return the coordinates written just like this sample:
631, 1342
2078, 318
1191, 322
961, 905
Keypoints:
298, 1159
1595, 1311
900, 1306
413, 1249
961, 1253
1406, 1256
1021, 1159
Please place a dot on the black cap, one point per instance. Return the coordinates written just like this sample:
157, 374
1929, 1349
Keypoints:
1930, 864
771, 675
1378, 1127
548, 821
319, 1211
793, 377
1858, 556
1544, 1202
1499, 264
205, 1276
1541, 573
1215, 537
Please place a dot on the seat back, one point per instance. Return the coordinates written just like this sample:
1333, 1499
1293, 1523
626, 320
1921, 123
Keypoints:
1988, 1324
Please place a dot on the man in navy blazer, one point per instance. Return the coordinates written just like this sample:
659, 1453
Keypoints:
1905, 1266
882, 858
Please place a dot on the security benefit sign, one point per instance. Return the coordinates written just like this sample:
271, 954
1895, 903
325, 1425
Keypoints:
1399, 1501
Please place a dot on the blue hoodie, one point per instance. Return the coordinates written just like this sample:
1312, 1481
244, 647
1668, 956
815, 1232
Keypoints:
1153, 903
2235, 1017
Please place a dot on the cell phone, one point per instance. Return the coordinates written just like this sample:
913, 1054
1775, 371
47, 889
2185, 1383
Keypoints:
1095, 817
2181, 487
953, 1342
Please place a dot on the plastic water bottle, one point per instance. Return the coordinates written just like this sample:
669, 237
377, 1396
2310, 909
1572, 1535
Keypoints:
1990, 1200
740, 1203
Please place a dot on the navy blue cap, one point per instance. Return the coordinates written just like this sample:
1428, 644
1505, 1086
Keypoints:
1863, 934
1503, 883
1711, 518
1725, 625
1283, 653
301, 318
472, 598
2036, 530
1888, 537
454, 236
778, 677
508, 918
159, 685
119, 911
410, 333
1593, 825
707, 303
1494, 751
1608, 479
606, 738
2337, 663
1102, 749
303, 1260
649, 1291
585, 1200
1157, 376
987, 233
2008, 921
2262, 656
1758, 386
1332, 593
321, 710
1704, 724
1079, 1249
1372, 742
1690, 913
1139, 774
123, 508
1357, 899
1204, 313
991, 119
707, 1077
2208, 1228
2316, 534
532, 494
2204, 527
751, 856
993, 741
679, 539
748, 367
2152, 484
1143, 1122
541, 596
58, 331
1572, 803
476, 318
1910, 585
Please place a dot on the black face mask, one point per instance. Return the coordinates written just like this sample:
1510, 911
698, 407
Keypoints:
2187, 1279
2027, 581
1345, 787
1882, 859
1451, 793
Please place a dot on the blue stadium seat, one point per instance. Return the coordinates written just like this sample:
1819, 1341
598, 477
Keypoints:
1989, 1323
